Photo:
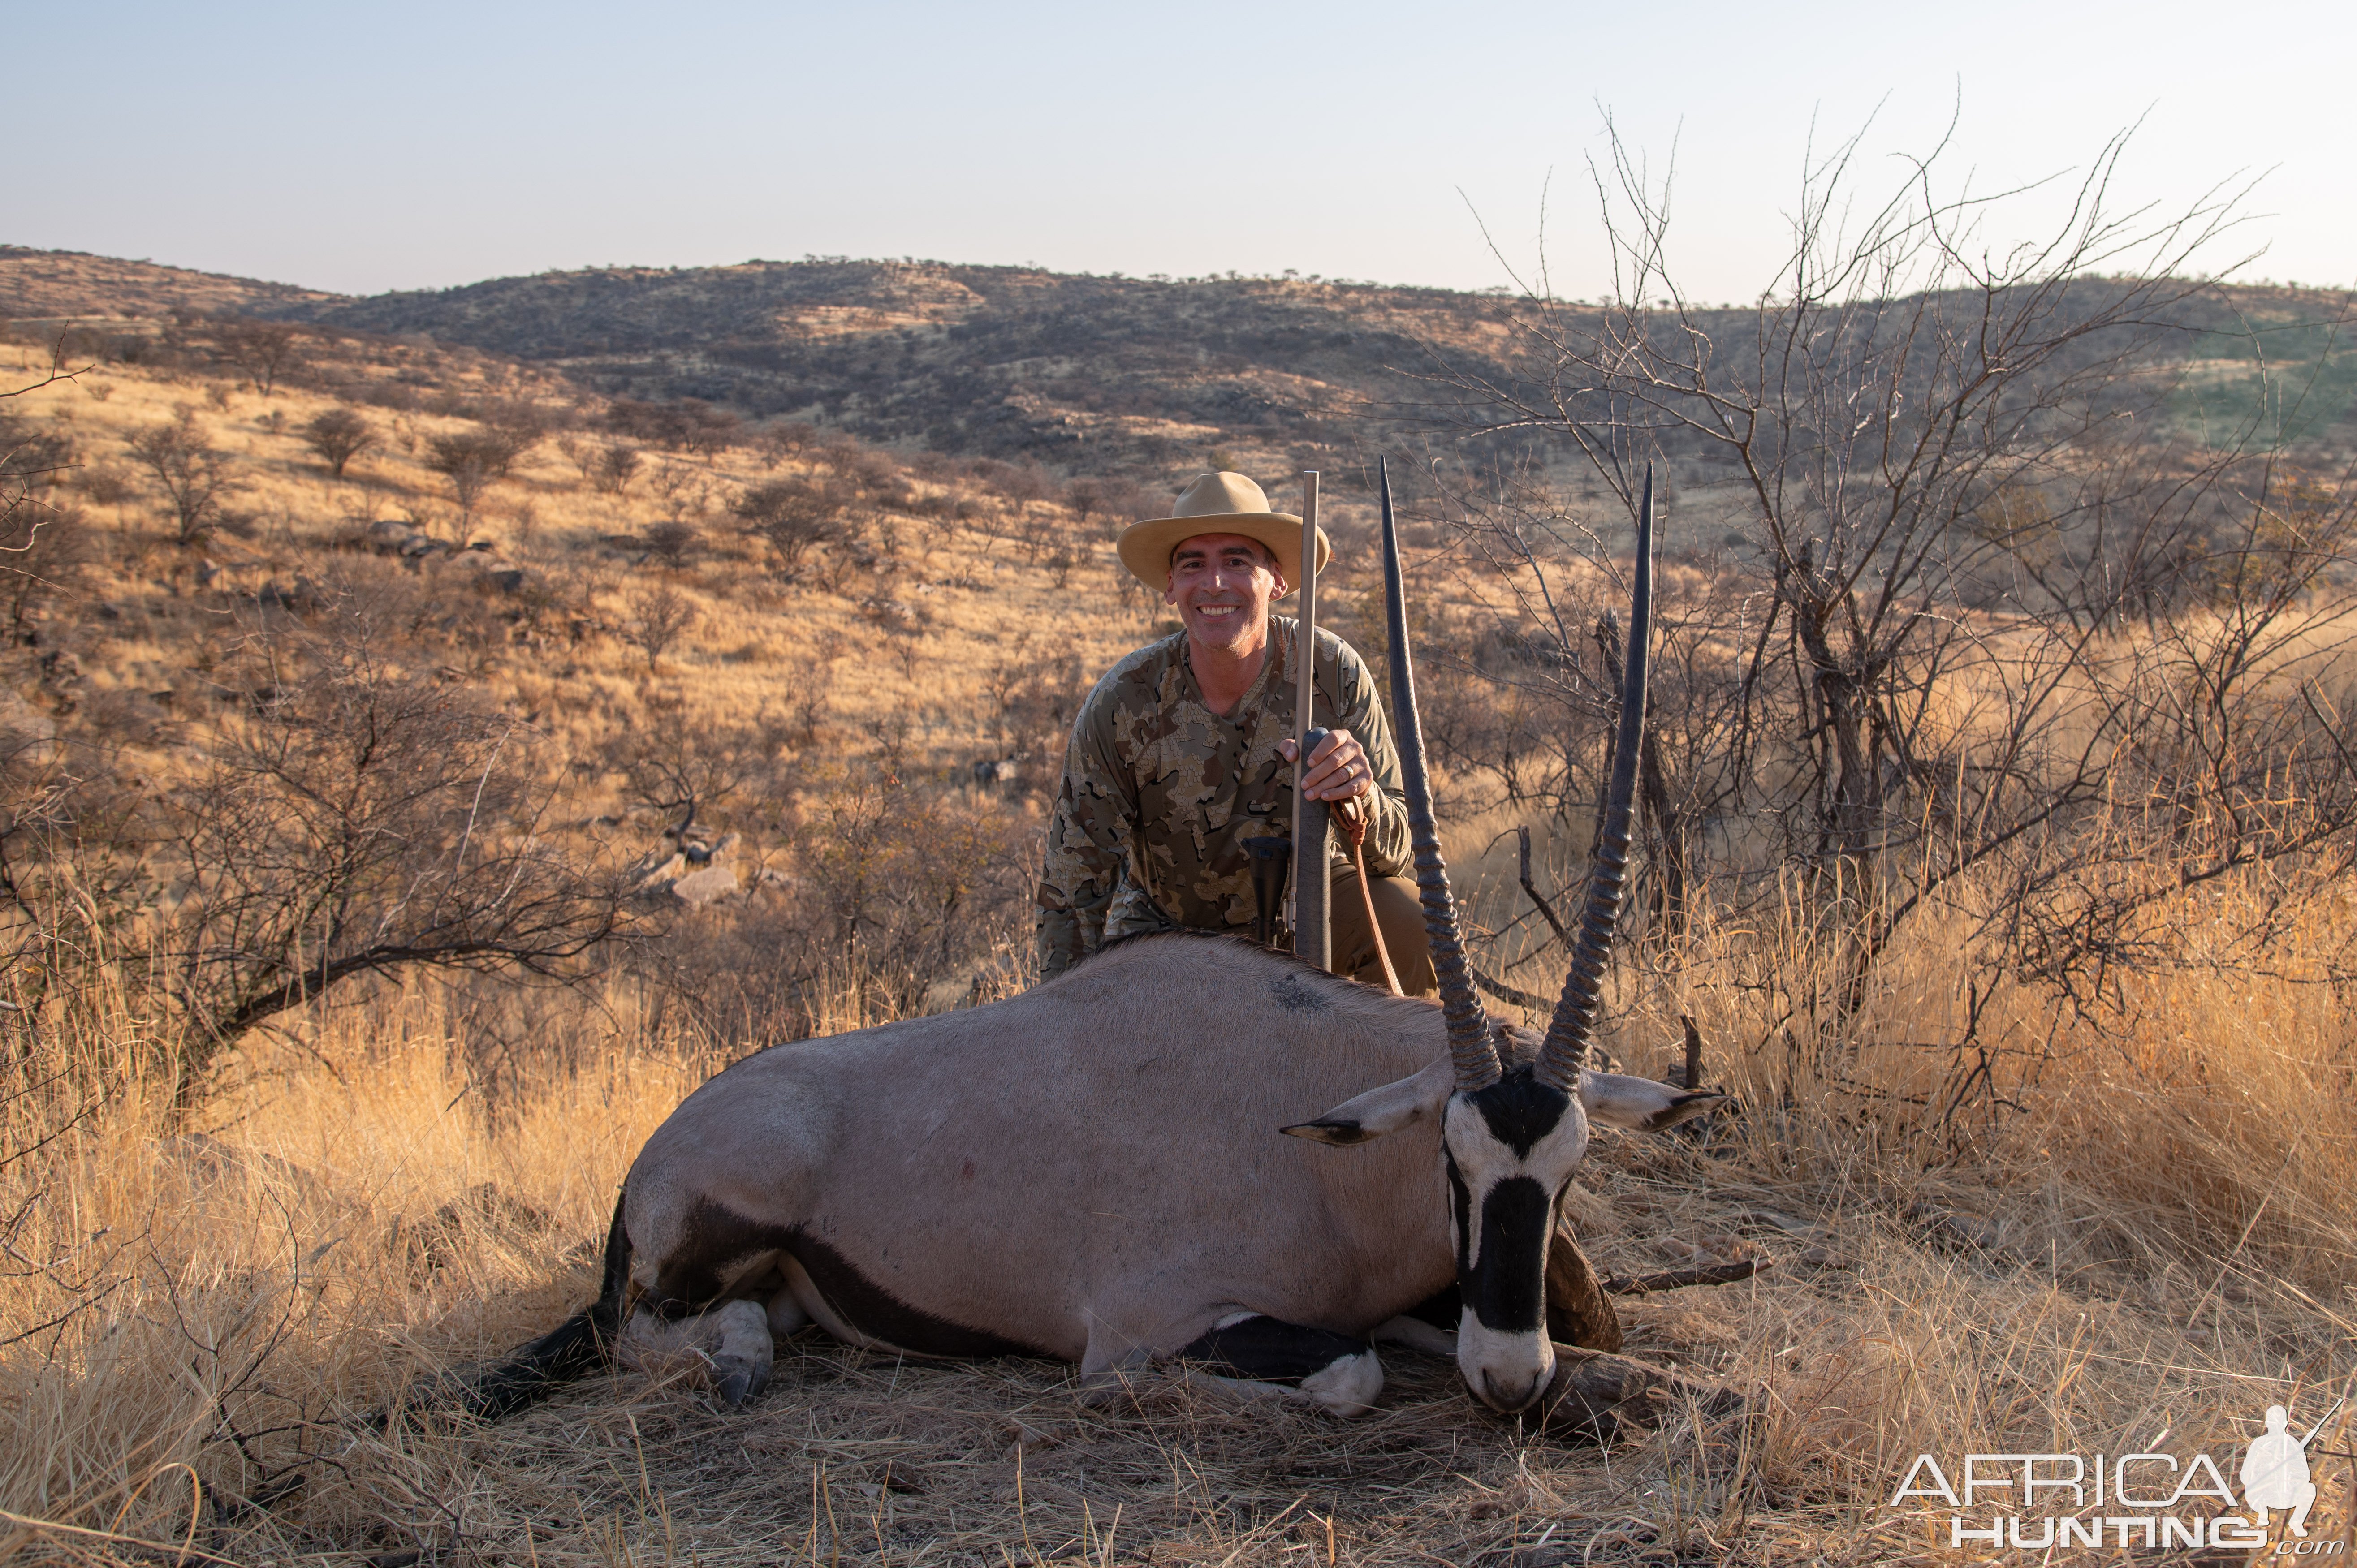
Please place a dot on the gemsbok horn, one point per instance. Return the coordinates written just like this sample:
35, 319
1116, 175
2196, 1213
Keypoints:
1470, 1046
1565, 1052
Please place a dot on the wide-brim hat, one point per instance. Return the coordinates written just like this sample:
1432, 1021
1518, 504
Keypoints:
1216, 503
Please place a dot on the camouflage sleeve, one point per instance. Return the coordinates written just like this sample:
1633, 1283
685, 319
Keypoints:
1087, 840
1359, 707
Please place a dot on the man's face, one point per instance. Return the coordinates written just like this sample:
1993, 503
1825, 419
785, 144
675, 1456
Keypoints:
1221, 586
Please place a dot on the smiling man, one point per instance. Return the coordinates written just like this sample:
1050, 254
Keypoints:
1184, 750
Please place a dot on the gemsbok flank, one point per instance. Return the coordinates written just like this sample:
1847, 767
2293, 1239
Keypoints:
1090, 1171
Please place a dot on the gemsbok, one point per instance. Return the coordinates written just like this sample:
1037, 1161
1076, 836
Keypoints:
1091, 1170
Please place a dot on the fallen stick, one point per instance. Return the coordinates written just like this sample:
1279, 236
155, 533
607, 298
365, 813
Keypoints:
1513, 993
1678, 1279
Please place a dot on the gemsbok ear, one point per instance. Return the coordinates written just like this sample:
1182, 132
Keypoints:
1368, 1116
1639, 1104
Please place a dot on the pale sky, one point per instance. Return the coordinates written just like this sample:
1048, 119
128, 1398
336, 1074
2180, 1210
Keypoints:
363, 147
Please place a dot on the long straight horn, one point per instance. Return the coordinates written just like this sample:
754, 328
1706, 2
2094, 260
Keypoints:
1468, 1027
1565, 1052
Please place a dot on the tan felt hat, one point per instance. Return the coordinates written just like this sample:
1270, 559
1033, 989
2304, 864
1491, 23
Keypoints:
1216, 503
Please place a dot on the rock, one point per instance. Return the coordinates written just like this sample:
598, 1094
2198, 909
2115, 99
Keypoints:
392, 536
657, 872
698, 873
713, 885
304, 598
490, 571
702, 852
27, 733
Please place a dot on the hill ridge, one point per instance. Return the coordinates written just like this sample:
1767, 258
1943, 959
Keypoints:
1089, 373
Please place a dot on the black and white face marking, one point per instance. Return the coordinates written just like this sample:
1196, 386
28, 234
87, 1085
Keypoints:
1508, 1150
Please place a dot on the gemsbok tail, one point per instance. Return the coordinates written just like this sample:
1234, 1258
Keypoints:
582, 1344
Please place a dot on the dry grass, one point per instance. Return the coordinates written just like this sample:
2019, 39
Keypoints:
959, 597
2058, 1237
2159, 1240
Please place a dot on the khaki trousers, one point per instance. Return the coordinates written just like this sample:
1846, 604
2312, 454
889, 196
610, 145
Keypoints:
1400, 914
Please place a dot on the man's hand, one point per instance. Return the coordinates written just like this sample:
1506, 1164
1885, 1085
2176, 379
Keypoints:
1339, 771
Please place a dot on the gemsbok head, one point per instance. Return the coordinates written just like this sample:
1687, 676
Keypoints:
1511, 1141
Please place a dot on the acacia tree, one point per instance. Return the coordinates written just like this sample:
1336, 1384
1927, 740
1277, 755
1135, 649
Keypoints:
617, 465
470, 460
362, 819
193, 474
686, 771
338, 436
265, 350
659, 619
793, 514
39, 543
1987, 548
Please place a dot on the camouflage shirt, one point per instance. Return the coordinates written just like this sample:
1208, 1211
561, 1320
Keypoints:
1160, 793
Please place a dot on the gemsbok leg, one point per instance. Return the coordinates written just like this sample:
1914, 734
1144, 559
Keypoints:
732, 1342
1259, 1354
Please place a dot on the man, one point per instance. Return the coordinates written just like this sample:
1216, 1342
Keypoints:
1185, 749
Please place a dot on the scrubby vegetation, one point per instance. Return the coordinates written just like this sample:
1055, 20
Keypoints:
423, 765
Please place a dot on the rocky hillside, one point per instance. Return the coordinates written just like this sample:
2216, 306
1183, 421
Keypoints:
1088, 374
1080, 372
54, 285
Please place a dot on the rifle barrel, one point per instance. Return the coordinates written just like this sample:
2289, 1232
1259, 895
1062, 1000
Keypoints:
1312, 937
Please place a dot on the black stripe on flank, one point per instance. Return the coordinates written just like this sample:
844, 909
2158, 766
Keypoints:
1269, 1351
874, 1311
717, 1240
1519, 1110
1508, 1288
690, 1277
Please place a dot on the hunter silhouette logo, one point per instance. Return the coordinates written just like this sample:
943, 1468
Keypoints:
2148, 1500
2275, 1472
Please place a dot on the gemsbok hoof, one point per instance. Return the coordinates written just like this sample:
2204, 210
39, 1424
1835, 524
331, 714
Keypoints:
741, 1385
